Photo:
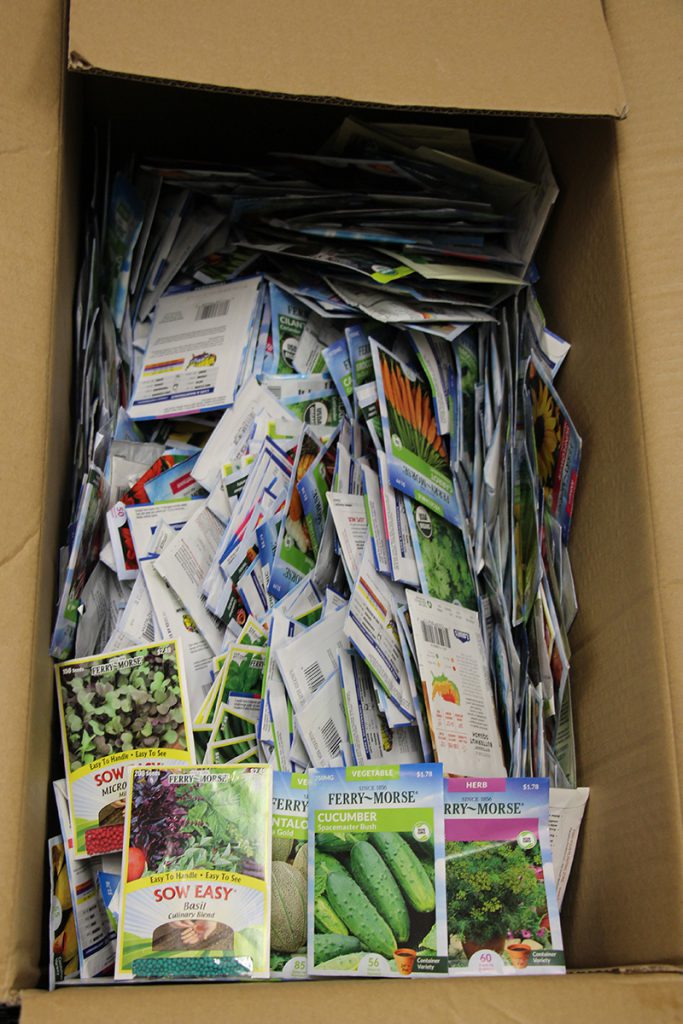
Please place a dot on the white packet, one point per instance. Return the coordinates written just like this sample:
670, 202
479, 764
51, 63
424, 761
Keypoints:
322, 726
371, 627
566, 811
401, 556
309, 659
184, 564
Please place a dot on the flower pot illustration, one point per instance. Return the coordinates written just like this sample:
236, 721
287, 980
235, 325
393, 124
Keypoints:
404, 960
519, 953
496, 943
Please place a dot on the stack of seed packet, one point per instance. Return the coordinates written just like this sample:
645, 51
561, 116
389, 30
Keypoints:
323, 492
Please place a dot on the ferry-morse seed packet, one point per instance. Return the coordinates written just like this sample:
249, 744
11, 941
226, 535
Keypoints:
376, 885
118, 709
195, 900
288, 917
503, 916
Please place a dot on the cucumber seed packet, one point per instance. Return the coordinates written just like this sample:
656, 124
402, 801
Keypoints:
376, 884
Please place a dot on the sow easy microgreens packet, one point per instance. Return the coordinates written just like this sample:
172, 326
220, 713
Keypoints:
375, 871
195, 900
117, 710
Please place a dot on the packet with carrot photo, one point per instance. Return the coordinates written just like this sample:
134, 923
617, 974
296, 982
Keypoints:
417, 454
503, 916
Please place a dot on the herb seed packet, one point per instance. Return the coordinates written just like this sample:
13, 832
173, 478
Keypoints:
456, 686
288, 908
195, 899
117, 710
441, 556
376, 884
503, 916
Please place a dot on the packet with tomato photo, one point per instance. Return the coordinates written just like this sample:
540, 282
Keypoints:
503, 916
116, 710
195, 894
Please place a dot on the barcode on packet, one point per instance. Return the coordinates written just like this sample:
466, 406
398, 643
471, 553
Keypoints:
212, 309
314, 676
434, 634
330, 735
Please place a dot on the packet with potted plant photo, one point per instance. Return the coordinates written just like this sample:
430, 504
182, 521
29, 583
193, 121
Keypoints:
116, 710
376, 897
195, 893
503, 916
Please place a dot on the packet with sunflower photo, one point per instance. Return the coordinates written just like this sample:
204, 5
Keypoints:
558, 445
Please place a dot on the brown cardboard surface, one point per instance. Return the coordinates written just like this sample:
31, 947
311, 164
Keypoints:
650, 163
611, 999
630, 892
527, 56
614, 230
30, 112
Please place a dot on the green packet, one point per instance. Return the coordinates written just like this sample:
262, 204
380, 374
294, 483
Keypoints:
376, 881
195, 885
290, 874
116, 710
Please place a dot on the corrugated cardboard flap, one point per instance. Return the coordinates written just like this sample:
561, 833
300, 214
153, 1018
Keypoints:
528, 57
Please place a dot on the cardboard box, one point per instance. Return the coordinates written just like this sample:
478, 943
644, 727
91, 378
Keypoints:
610, 284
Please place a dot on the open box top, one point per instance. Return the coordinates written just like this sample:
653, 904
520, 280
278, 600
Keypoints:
623, 316
528, 57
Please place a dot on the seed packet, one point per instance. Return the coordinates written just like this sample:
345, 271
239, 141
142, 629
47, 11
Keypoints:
376, 885
321, 411
191, 361
63, 940
565, 815
288, 909
456, 686
338, 363
90, 929
371, 627
502, 907
313, 488
294, 557
117, 710
351, 525
309, 659
195, 899
417, 456
321, 722
92, 501
374, 511
441, 556
289, 319
372, 741
558, 446
402, 562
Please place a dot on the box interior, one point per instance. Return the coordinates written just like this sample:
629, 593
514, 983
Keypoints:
624, 905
